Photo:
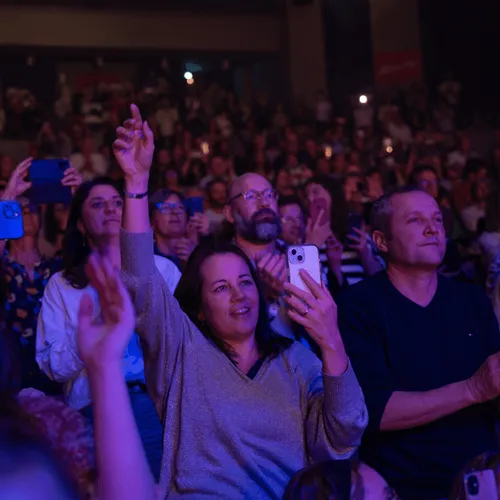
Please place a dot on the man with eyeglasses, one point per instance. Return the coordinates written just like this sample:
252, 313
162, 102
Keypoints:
252, 209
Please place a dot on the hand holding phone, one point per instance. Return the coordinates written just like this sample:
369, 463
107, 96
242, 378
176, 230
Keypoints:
11, 220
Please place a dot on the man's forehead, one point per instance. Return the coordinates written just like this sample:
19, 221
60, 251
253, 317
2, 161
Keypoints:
413, 202
249, 182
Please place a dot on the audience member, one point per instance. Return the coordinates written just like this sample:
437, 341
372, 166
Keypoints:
425, 349
94, 225
219, 325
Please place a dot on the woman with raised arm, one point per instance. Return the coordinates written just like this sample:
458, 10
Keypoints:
243, 409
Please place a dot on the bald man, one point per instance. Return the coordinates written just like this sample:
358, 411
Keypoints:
253, 211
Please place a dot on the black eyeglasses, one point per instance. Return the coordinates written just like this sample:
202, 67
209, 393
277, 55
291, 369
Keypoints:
252, 196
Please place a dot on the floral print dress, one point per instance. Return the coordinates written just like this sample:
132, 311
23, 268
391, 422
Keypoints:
24, 299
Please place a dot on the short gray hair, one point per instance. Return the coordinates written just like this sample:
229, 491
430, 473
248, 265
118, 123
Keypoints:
382, 210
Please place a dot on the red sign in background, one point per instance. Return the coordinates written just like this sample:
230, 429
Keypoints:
399, 68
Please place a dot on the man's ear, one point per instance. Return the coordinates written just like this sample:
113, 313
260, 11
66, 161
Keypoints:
380, 241
228, 214
201, 317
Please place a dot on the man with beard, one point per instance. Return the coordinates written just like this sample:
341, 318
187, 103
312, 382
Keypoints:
252, 209
216, 198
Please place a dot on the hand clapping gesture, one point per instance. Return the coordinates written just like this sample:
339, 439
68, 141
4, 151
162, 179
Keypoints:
134, 146
316, 311
103, 342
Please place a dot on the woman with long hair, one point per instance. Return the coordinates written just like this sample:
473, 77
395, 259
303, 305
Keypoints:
93, 225
243, 408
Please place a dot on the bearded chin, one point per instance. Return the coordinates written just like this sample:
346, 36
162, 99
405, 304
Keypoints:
267, 231
257, 232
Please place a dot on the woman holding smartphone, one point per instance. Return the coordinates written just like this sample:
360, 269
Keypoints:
243, 409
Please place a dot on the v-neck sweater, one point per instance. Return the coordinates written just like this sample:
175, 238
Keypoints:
227, 436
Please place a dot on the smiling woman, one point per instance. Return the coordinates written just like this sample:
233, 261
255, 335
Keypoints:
243, 409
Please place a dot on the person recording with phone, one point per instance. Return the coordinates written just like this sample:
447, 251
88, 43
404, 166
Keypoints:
177, 234
267, 399
26, 272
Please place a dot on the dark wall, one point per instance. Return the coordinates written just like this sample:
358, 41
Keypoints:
463, 37
349, 57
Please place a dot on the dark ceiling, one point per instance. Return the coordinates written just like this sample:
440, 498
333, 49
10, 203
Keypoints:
227, 6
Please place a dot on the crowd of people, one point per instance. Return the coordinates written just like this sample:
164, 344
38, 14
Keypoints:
153, 347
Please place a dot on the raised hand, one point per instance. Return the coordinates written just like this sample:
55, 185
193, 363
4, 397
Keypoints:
134, 146
317, 233
316, 311
359, 242
103, 341
17, 184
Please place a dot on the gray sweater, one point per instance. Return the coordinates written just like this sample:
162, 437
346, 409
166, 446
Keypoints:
227, 436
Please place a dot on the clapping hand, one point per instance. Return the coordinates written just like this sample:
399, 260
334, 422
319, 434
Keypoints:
316, 311
134, 146
18, 184
103, 342
272, 272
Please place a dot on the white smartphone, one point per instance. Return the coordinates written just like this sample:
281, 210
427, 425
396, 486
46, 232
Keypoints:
480, 485
303, 257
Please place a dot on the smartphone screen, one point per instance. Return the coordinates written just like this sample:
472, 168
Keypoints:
46, 177
195, 205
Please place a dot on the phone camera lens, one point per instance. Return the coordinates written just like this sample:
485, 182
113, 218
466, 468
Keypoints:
473, 485
300, 258
294, 252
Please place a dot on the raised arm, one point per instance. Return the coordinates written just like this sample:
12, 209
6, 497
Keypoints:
161, 324
122, 466
336, 412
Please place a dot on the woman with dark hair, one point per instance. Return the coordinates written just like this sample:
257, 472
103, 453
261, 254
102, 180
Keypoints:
243, 409
347, 251
93, 225
340, 480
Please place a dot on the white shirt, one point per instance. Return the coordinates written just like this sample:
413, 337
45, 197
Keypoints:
56, 351
99, 165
